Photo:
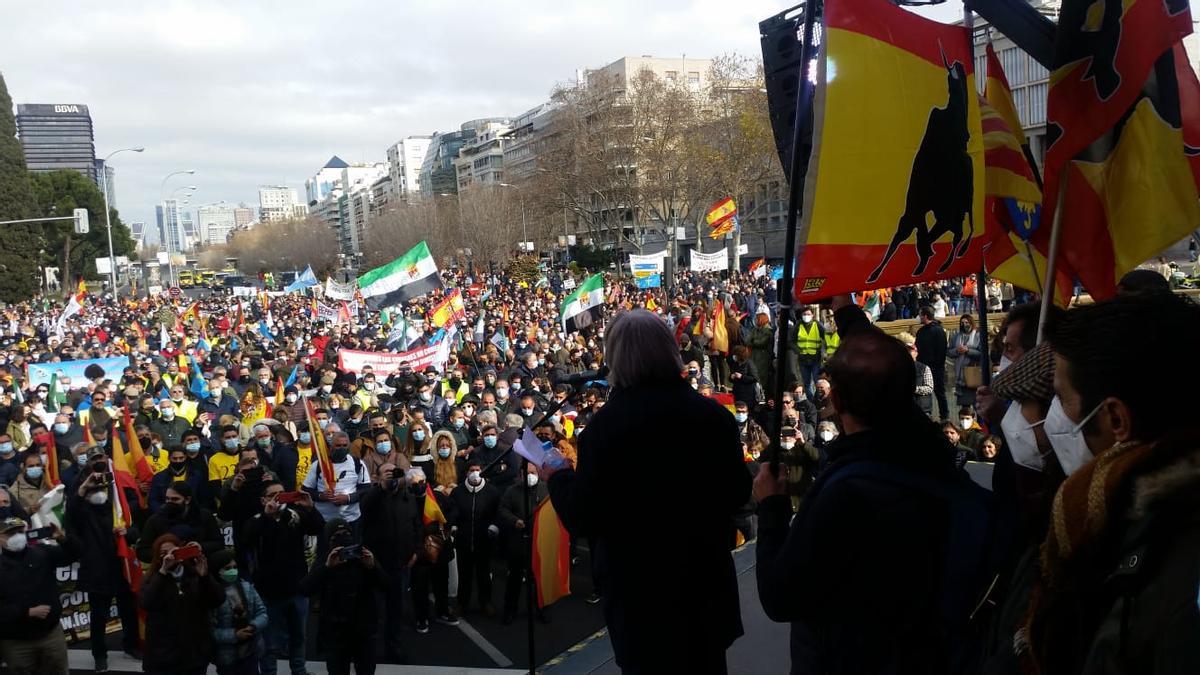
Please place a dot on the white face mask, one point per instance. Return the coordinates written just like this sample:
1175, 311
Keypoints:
1066, 437
1021, 440
827, 436
98, 498
531, 479
474, 478
16, 542
1004, 363
966, 423
290, 398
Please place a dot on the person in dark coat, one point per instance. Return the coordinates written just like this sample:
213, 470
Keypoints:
30, 607
661, 618
184, 518
89, 516
177, 597
931, 350
743, 375
275, 543
823, 571
516, 516
348, 623
390, 529
431, 571
179, 470
477, 503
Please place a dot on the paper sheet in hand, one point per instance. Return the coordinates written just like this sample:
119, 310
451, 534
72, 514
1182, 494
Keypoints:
532, 448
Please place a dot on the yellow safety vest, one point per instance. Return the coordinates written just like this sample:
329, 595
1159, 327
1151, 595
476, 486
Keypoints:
808, 340
832, 340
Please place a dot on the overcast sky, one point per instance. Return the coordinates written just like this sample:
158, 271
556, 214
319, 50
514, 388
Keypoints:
253, 92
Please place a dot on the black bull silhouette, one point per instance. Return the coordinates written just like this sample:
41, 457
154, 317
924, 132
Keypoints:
941, 181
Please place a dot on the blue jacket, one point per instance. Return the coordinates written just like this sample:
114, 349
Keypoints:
224, 631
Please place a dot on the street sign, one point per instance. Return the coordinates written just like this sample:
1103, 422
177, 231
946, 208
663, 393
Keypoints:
176, 292
81, 221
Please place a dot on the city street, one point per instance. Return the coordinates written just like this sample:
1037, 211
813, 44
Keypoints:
574, 643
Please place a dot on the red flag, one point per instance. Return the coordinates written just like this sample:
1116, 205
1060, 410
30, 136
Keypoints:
46, 441
137, 462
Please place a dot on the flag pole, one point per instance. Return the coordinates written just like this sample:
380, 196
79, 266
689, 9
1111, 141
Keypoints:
981, 283
804, 116
1052, 262
531, 590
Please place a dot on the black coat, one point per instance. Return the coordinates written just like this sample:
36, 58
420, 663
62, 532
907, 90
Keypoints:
177, 631
744, 387
858, 571
100, 570
198, 525
512, 509
27, 579
277, 550
349, 613
688, 595
390, 525
475, 512
931, 349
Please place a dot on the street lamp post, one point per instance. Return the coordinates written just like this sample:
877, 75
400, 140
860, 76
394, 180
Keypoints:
524, 226
163, 205
112, 261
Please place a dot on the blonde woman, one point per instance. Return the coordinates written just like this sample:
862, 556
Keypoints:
445, 472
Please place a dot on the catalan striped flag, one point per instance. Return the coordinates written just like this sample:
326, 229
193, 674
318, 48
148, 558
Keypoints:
551, 554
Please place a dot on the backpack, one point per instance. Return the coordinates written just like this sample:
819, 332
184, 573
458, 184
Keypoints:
971, 565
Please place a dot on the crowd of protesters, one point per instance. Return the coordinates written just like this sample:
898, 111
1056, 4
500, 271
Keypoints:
237, 531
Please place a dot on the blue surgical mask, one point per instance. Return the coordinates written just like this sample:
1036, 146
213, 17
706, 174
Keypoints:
305, 437
82, 459
60, 428
489, 441
34, 472
443, 452
231, 443
458, 424
263, 442
384, 447
741, 417
418, 435
6, 448
192, 448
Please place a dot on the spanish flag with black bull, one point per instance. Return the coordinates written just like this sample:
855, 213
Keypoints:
895, 186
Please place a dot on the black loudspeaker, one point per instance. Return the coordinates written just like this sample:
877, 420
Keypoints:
779, 36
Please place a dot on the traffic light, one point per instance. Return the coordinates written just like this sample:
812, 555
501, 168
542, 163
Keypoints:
81, 221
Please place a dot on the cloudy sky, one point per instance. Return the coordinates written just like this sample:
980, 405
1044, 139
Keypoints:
264, 92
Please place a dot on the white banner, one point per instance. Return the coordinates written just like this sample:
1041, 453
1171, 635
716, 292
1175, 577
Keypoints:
384, 363
710, 262
647, 265
340, 291
244, 291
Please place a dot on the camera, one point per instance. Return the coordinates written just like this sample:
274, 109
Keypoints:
253, 474
351, 552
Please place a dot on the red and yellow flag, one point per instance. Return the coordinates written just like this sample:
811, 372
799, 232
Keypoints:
721, 212
123, 476
1121, 137
897, 120
136, 459
720, 338
449, 310
999, 95
432, 513
320, 446
551, 554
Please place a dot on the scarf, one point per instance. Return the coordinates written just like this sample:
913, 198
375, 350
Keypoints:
1085, 506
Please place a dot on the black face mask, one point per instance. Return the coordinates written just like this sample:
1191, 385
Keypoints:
341, 539
339, 454
178, 469
173, 510
418, 489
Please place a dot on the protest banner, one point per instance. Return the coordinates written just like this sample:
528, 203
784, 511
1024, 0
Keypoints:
353, 360
40, 373
340, 291
717, 261
76, 618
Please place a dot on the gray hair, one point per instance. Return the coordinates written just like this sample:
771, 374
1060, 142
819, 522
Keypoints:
486, 417
640, 349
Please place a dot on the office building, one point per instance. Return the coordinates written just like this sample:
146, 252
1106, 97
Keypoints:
138, 232
243, 215
405, 159
57, 136
278, 202
323, 182
480, 160
105, 172
214, 223
354, 202
524, 140
438, 175
173, 226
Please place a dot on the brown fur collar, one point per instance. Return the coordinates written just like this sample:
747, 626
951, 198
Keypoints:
1181, 474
